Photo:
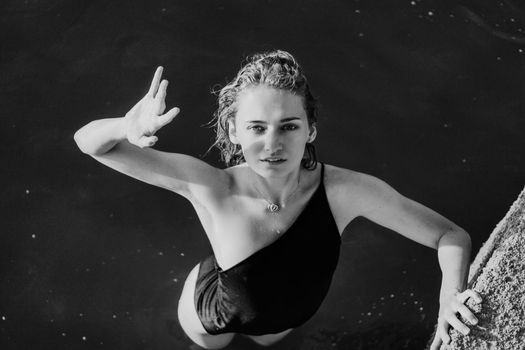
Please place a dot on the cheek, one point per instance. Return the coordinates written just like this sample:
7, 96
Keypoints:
250, 146
248, 141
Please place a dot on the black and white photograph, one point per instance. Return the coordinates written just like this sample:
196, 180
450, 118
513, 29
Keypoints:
243, 174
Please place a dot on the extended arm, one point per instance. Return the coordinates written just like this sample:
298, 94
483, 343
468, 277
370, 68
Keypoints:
380, 203
124, 144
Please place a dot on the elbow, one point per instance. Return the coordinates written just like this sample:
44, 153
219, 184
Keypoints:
456, 236
83, 145
464, 237
80, 142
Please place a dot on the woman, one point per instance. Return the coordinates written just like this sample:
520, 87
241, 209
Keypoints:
274, 216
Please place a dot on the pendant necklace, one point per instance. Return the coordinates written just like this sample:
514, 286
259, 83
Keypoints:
274, 208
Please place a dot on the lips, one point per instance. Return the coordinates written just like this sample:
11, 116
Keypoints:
273, 160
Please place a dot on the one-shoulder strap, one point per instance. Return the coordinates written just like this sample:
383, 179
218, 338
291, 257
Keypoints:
322, 173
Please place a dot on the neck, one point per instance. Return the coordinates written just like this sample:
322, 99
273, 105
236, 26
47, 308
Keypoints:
277, 189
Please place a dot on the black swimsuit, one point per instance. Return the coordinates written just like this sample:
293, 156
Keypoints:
278, 287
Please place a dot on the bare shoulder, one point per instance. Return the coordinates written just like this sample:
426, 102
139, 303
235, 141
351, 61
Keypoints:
350, 193
362, 186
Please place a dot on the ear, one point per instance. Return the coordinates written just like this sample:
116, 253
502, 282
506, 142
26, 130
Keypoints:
232, 132
313, 133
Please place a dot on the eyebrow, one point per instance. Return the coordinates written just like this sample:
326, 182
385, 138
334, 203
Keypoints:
282, 120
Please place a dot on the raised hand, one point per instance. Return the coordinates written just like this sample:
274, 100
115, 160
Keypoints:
146, 117
449, 309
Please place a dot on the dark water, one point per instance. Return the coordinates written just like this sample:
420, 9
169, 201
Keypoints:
426, 95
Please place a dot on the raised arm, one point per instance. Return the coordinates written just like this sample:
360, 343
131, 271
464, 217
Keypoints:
124, 145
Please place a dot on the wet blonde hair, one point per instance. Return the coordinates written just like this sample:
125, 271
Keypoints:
277, 69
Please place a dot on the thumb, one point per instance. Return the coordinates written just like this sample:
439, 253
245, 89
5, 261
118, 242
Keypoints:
146, 141
436, 343
167, 117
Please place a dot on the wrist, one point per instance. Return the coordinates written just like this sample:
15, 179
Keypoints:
447, 293
121, 132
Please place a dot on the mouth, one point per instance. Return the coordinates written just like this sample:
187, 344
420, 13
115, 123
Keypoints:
273, 160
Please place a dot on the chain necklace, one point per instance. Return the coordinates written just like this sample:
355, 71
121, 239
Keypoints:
274, 207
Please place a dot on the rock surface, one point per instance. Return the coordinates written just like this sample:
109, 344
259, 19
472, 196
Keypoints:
498, 274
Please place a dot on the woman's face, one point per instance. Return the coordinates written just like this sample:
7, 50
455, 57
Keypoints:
272, 129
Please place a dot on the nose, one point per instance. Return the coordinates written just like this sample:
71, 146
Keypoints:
272, 142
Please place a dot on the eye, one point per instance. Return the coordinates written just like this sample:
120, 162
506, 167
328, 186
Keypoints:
290, 127
256, 128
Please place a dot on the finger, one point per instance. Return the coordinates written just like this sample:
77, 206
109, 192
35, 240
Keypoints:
147, 141
442, 331
467, 314
168, 117
458, 325
473, 294
155, 82
161, 94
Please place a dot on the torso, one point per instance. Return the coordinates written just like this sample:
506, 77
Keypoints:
237, 225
